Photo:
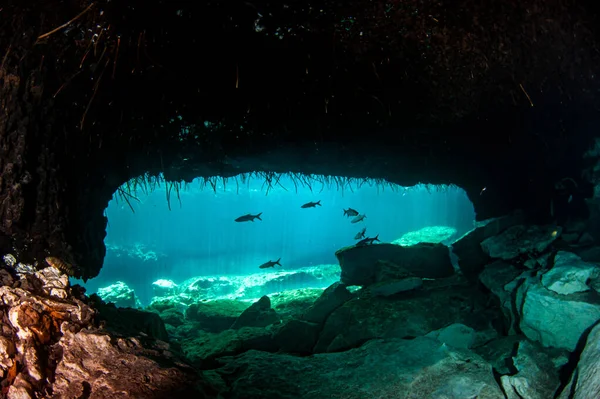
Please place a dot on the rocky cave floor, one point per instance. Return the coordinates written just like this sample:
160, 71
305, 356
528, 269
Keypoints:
518, 318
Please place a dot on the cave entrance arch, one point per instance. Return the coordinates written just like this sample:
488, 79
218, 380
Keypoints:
163, 230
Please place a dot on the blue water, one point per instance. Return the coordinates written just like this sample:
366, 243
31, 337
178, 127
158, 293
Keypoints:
199, 236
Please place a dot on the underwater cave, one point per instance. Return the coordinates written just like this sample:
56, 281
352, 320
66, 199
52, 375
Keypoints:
194, 233
158, 131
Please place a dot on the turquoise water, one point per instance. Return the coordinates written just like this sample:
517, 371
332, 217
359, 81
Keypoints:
199, 236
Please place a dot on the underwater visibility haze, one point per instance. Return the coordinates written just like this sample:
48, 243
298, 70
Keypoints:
198, 235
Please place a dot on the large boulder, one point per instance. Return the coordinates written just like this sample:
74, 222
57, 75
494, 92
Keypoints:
431, 234
570, 274
520, 240
471, 258
215, 316
368, 264
400, 369
536, 377
555, 320
331, 299
585, 380
416, 314
259, 314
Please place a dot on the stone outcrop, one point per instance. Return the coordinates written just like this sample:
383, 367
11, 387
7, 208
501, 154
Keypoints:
585, 380
368, 264
395, 368
471, 258
50, 342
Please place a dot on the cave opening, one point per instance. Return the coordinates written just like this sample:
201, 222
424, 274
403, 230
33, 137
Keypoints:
161, 231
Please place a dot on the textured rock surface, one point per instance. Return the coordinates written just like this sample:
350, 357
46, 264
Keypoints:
570, 274
332, 298
365, 265
557, 320
216, 316
259, 314
471, 258
430, 234
585, 381
536, 377
419, 368
49, 343
518, 240
393, 287
413, 315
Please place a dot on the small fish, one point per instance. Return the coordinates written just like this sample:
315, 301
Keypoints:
270, 264
248, 218
360, 234
350, 212
359, 218
368, 241
311, 204
61, 265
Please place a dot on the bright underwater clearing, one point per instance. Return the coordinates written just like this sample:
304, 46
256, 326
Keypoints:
198, 237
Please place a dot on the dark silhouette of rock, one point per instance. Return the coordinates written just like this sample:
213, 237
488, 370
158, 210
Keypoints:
368, 264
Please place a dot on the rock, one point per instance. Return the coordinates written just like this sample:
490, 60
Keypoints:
556, 320
569, 274
82, 369
258, 284
332, 298
297, 336
204, 347
259, 314
393, 287
293, 303
54, 282
399, 369
59, 350
585, 380
6, 278
430, 234
368, 264
130, 322
536, 376
499, 353
586, 239
518, 240
215, 316
417, 314
496, 276
590, 254
164, 287
456, 335
119, 294
172, 317
471, 258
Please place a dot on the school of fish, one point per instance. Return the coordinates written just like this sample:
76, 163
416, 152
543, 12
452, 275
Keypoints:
350, 213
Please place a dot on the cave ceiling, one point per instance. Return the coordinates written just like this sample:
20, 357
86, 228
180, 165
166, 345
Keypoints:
494, 94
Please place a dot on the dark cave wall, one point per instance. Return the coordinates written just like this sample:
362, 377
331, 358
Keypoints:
406, 91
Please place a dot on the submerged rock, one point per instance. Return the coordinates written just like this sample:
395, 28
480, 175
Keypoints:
50, 344
331, 299
393, 287
536, 377
419, 368
570, 274
120, 294
471, 258
259, 314
416, 314
585, 380
365, 265
556, 320
518, 240
430, 234
215, 316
